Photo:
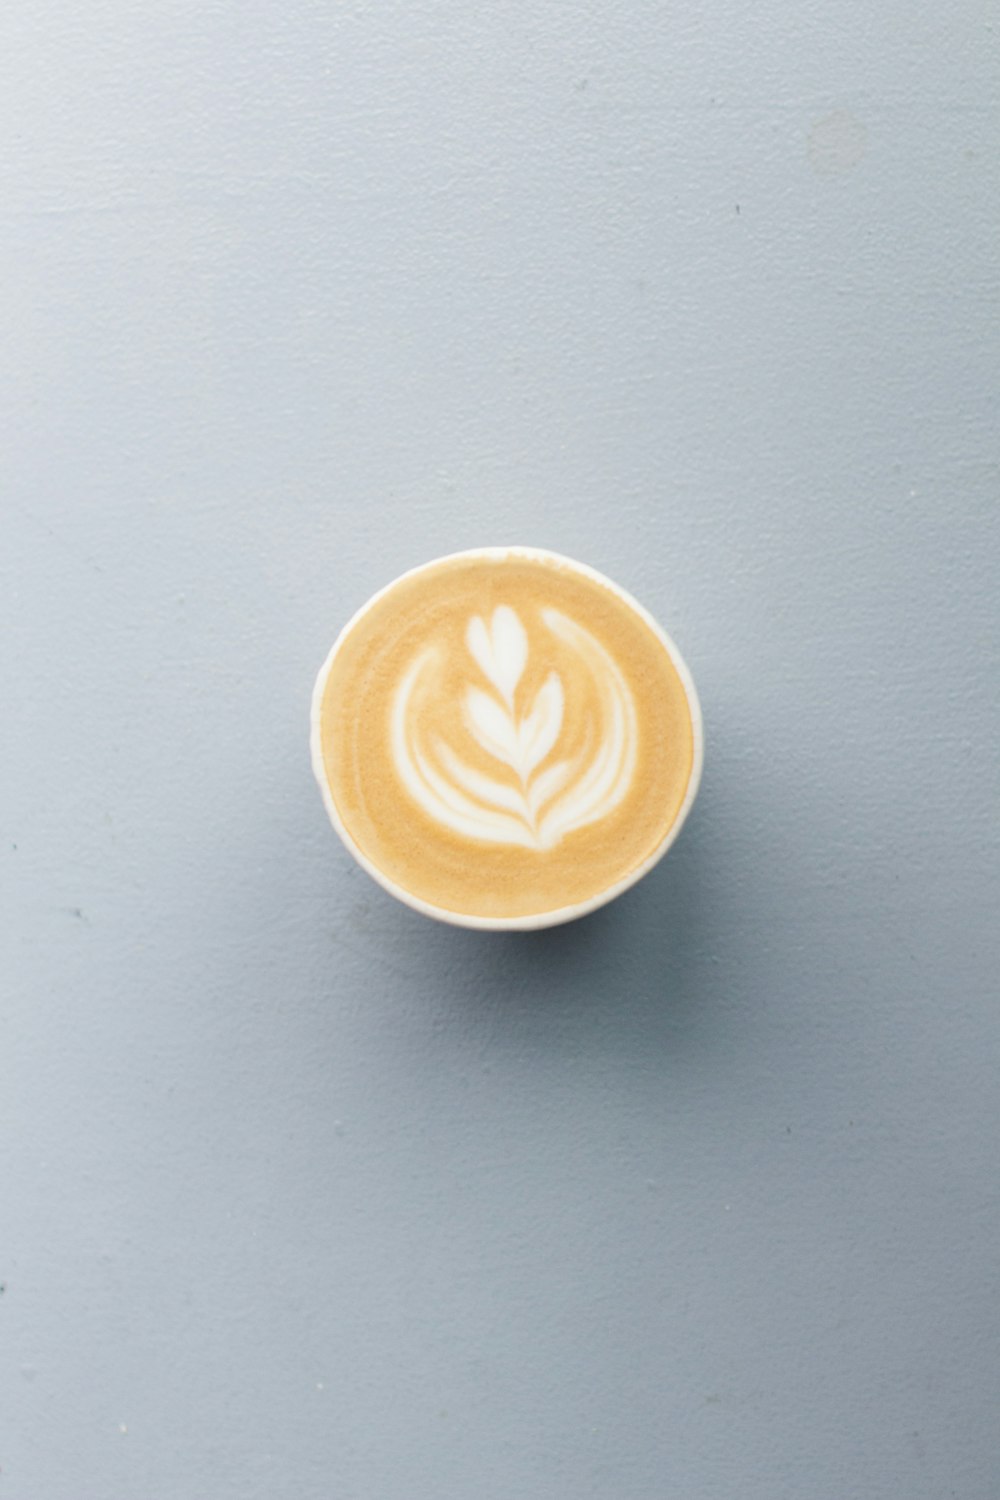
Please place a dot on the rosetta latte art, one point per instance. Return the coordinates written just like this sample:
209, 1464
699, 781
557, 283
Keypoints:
531, 795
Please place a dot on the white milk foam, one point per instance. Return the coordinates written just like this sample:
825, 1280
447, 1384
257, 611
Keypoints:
545, 796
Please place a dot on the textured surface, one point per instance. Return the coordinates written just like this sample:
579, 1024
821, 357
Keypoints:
302, 1196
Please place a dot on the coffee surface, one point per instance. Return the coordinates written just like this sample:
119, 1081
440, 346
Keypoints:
504, 735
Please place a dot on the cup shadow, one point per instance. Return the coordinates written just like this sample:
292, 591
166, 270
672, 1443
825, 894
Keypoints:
630, 977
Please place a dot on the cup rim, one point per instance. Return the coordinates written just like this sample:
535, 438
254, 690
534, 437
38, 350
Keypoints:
557, 915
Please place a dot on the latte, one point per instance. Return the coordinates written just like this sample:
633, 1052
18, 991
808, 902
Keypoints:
504, 738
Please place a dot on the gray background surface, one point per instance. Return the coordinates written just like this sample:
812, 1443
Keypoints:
304, 1197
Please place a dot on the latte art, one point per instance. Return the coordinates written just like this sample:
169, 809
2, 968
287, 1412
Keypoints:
529, 795
505, 739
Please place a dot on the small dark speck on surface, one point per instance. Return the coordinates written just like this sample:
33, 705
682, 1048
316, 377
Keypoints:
737, 208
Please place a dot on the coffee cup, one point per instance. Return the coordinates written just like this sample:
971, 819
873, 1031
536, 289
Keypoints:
505, 739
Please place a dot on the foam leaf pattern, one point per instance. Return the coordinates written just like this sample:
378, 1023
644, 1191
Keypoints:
535, 801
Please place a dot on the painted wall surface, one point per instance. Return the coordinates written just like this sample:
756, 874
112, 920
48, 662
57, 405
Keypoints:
303, 1197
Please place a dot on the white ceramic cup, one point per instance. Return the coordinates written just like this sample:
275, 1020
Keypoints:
564, 913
